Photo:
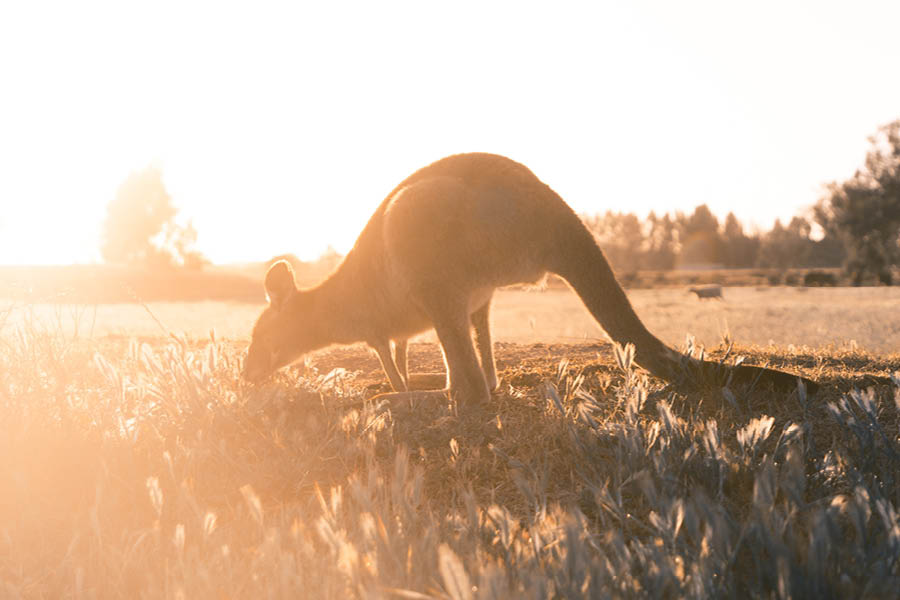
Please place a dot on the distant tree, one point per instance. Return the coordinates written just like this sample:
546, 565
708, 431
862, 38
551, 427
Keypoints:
786, 247
181, 241
699, 237
661, 245
738, 249
140, 226
827, 252
864, 211
622, 238
772, 251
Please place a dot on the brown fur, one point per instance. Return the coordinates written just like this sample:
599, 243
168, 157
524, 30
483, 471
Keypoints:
432, 255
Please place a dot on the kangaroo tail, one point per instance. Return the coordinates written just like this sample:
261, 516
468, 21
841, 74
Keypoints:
581, 262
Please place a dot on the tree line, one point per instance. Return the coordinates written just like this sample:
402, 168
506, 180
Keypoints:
857, 226
699, 240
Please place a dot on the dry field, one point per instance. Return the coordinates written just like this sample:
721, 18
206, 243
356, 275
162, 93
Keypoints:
867, 318
136, 464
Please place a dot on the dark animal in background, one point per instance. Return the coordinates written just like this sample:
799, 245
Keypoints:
707, 292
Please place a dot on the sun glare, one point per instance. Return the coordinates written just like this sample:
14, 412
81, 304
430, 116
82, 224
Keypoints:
280, 130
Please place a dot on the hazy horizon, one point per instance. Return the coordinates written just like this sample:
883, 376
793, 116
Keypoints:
280, 129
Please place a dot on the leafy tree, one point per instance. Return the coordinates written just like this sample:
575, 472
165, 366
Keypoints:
864, 211
738, 249
827, 252
621, 236
140, 226
699, 237
662, 243
786, 247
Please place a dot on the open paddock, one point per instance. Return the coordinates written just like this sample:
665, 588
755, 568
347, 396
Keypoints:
863, 317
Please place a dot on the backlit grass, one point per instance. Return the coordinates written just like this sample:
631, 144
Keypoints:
149, 469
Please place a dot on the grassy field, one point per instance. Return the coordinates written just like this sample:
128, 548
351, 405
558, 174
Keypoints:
134, 464
863, 317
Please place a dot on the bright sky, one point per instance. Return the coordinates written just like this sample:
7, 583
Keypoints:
280, 127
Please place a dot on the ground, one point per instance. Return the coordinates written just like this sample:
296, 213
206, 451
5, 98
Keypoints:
863, 318
137, 463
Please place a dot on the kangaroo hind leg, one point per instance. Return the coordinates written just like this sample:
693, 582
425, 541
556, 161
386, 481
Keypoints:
466, 380
482, 326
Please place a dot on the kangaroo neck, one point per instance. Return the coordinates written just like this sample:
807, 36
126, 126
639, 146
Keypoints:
334, 306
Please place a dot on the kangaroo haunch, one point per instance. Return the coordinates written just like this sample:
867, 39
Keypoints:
431, 257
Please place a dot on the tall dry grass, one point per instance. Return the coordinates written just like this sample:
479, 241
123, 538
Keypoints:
149, 470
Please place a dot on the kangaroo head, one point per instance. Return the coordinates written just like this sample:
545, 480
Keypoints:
278, 336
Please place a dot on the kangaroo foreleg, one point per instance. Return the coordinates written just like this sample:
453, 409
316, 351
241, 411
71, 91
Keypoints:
400, 347
383, 350
416, 381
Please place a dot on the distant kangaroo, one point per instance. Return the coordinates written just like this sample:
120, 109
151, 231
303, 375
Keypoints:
707, 292
432, 255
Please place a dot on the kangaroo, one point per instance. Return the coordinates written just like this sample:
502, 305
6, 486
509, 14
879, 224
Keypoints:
707, 292
431, 257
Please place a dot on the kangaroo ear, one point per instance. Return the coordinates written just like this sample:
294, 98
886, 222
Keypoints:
280, 284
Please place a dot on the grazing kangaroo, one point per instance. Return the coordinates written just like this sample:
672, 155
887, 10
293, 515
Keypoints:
432, 255
707, 292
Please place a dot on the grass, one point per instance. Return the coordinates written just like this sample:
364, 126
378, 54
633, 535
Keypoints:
148, 469
866, 318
